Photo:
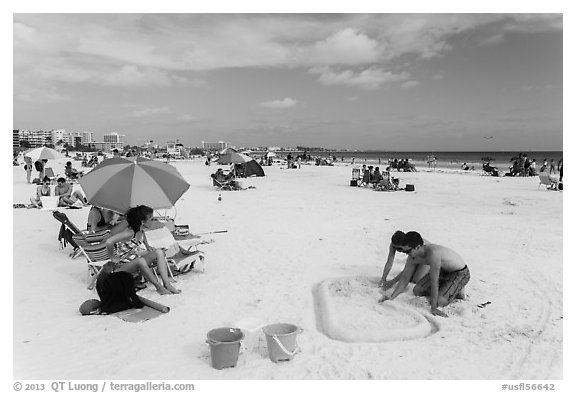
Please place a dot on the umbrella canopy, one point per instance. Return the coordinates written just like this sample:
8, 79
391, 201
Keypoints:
270, 154
120, 183
234, 158
228, 150
43, 153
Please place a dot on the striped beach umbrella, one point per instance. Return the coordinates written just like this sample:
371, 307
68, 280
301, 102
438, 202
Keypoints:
120, 183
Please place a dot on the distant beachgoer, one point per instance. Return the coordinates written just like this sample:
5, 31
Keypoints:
28, 168
396, 244
42, 190
532, 171
544, 166
446, 280
465, 167
40, 165
552, 166
376, 176
561, 169
353, 160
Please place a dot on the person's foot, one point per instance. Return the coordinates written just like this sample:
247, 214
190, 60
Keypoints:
163, 291
172, 289
461, 295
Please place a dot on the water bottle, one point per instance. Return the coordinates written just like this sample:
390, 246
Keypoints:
219, 197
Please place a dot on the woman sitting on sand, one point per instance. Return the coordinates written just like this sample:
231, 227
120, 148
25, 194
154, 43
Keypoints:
140, 218
397, 244
43, 190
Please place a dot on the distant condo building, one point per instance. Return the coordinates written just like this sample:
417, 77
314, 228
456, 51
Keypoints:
36, 138
214, 146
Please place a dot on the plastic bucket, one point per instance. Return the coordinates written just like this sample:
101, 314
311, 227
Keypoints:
252, 331
224, 346
281, 340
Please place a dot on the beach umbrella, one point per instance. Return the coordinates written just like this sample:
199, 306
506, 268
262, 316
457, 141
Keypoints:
270, 154
234, 158
228, 150
43, 153
120, 183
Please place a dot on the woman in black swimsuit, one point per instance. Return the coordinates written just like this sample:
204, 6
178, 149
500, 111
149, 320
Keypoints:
43, 190
100, 219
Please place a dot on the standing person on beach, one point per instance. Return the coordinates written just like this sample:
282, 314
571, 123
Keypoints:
396, 244
552, 166
28, 168
561, 169
446, 279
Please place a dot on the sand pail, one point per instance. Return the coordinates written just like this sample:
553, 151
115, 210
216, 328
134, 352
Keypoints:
281, 340
224, 346
251, 328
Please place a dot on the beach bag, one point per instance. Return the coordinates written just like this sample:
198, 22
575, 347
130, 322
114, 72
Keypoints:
354, 183
409, 187
117, 292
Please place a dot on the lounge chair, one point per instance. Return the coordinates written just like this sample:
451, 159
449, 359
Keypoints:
177, 260
94, 249
550, 182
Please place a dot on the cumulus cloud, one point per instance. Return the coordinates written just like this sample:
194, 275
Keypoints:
346, 47
368, 79
280, 104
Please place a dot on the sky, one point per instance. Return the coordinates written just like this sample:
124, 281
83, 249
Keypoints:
398, 82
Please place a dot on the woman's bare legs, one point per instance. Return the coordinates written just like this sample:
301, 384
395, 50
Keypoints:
162, 266
140, 264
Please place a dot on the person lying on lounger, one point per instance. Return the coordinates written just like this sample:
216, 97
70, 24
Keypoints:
446, 279
140, 218
396, 244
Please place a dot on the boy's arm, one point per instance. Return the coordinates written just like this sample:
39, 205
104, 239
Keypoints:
388, 265
404, 280
435, 263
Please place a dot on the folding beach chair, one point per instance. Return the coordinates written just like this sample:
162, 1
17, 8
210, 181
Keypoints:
550, 182
49, 172
94, 249
177, 260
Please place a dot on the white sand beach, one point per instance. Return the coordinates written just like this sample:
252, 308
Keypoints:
296, 232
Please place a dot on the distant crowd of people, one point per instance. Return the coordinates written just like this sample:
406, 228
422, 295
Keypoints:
523, 166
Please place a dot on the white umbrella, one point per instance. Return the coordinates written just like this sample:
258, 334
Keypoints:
43, 153
270, 154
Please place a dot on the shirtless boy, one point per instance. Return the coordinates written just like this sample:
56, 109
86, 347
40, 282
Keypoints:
396, 244
446, 279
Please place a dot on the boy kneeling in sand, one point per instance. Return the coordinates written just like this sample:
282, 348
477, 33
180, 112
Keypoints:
444, 282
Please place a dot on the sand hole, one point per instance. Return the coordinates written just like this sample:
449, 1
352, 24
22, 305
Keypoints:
347, 309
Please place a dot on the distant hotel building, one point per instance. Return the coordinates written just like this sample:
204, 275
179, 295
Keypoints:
111, 141
36, 138
215, 146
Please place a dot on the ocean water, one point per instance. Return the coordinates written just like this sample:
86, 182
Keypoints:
501, 159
